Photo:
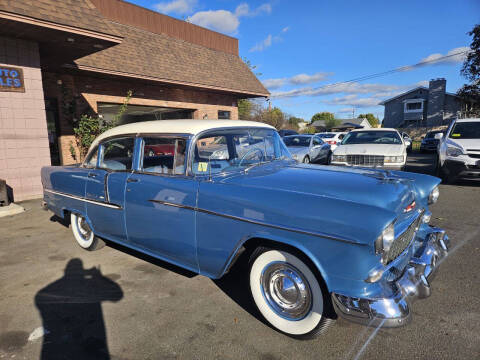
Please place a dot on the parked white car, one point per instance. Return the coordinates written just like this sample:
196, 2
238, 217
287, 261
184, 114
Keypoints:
308, 148
332, 138
383, 148
459, 151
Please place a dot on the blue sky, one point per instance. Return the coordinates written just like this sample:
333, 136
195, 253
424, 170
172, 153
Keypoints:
301, 46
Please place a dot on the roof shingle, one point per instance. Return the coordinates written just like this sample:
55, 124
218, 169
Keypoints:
165, 58
75, 13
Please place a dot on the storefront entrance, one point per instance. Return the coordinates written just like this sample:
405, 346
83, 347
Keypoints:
136, 113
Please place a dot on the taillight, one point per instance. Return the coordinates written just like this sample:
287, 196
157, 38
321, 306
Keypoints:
332, 142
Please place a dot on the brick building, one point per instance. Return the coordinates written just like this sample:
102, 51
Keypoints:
60, 59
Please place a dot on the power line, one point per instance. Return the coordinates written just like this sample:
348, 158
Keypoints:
388, 72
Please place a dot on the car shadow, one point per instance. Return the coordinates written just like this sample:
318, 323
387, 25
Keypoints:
72, 316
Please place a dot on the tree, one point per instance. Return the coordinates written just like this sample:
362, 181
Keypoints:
245, 108
372, 119
252, 67
323, 116
471, 71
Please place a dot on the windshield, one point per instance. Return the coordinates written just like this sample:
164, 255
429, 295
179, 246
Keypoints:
327, 135
431, 134
372, 137
466, 130
237, 149
297, 140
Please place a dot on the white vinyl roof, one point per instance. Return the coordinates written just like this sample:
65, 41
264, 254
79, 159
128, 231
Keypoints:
176, 127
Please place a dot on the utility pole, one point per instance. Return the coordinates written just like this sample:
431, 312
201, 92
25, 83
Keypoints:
353, 112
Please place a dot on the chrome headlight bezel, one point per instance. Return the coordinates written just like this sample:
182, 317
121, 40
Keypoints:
384, 242
394, 159
434, 195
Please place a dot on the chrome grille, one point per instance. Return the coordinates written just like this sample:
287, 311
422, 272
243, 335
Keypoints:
402, 241
365, 160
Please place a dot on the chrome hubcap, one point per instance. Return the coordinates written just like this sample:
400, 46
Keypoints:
286, 290
83, 228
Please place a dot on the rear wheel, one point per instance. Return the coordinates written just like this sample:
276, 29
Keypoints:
306, 160
287, 293
83, 234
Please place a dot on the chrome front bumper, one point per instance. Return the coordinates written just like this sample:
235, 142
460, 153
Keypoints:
394, 310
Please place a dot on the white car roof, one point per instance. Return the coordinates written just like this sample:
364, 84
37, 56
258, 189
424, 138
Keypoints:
468, 120
176, 127
375, 129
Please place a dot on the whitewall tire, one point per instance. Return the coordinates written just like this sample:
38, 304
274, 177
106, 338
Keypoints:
287, 293
83, 233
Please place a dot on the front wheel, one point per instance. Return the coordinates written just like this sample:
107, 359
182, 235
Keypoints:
83, 234
306, 160
287, 293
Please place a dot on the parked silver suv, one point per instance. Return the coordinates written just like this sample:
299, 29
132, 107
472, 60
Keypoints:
459, 151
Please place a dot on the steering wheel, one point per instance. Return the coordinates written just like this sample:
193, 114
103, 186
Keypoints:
251, 151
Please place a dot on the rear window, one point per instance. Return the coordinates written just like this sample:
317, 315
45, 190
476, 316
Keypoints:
466, 130
326, 136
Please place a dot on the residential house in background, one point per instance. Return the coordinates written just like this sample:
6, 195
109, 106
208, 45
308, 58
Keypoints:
423, 107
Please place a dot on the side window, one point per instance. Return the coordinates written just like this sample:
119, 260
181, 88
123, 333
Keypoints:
117, 154
91, 160
164, 155
341, 136
316, 141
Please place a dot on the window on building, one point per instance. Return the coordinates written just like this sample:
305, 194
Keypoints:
117, 154
414, 106
223, 115
164, 155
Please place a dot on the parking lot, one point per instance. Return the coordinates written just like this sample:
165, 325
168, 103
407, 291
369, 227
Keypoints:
109, 304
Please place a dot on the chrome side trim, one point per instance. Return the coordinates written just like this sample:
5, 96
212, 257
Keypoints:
101, 203
255, 222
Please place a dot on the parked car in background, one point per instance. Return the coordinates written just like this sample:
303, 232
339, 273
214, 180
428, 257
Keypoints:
332, 138
308, 148
430, 142
408, 141
383, 148
459, 151
287, 132
206, 215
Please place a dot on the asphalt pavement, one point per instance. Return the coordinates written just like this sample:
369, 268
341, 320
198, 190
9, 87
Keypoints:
59, 301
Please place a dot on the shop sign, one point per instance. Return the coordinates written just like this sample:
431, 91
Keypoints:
11, 79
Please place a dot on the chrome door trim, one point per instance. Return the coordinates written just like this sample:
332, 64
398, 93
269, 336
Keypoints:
255, 222
100, 203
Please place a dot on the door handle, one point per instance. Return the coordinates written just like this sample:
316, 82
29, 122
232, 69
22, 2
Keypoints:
130, 180
92, 175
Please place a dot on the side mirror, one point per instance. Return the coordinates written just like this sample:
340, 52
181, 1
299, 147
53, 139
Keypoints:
438, 136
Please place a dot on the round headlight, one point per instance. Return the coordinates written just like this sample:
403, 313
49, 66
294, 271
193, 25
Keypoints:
433, 197
385, 240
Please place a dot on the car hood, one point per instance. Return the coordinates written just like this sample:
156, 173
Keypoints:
465, 143
370, 149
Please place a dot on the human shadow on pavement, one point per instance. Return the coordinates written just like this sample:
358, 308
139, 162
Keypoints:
71, 311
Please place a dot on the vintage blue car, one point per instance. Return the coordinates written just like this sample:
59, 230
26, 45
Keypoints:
321, 241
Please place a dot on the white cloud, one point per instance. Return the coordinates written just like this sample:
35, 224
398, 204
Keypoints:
354, 100
296, 80
285, 29
265, 43
244, 10
218, 20
181, 7
308, 79
225, 21
456, 55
